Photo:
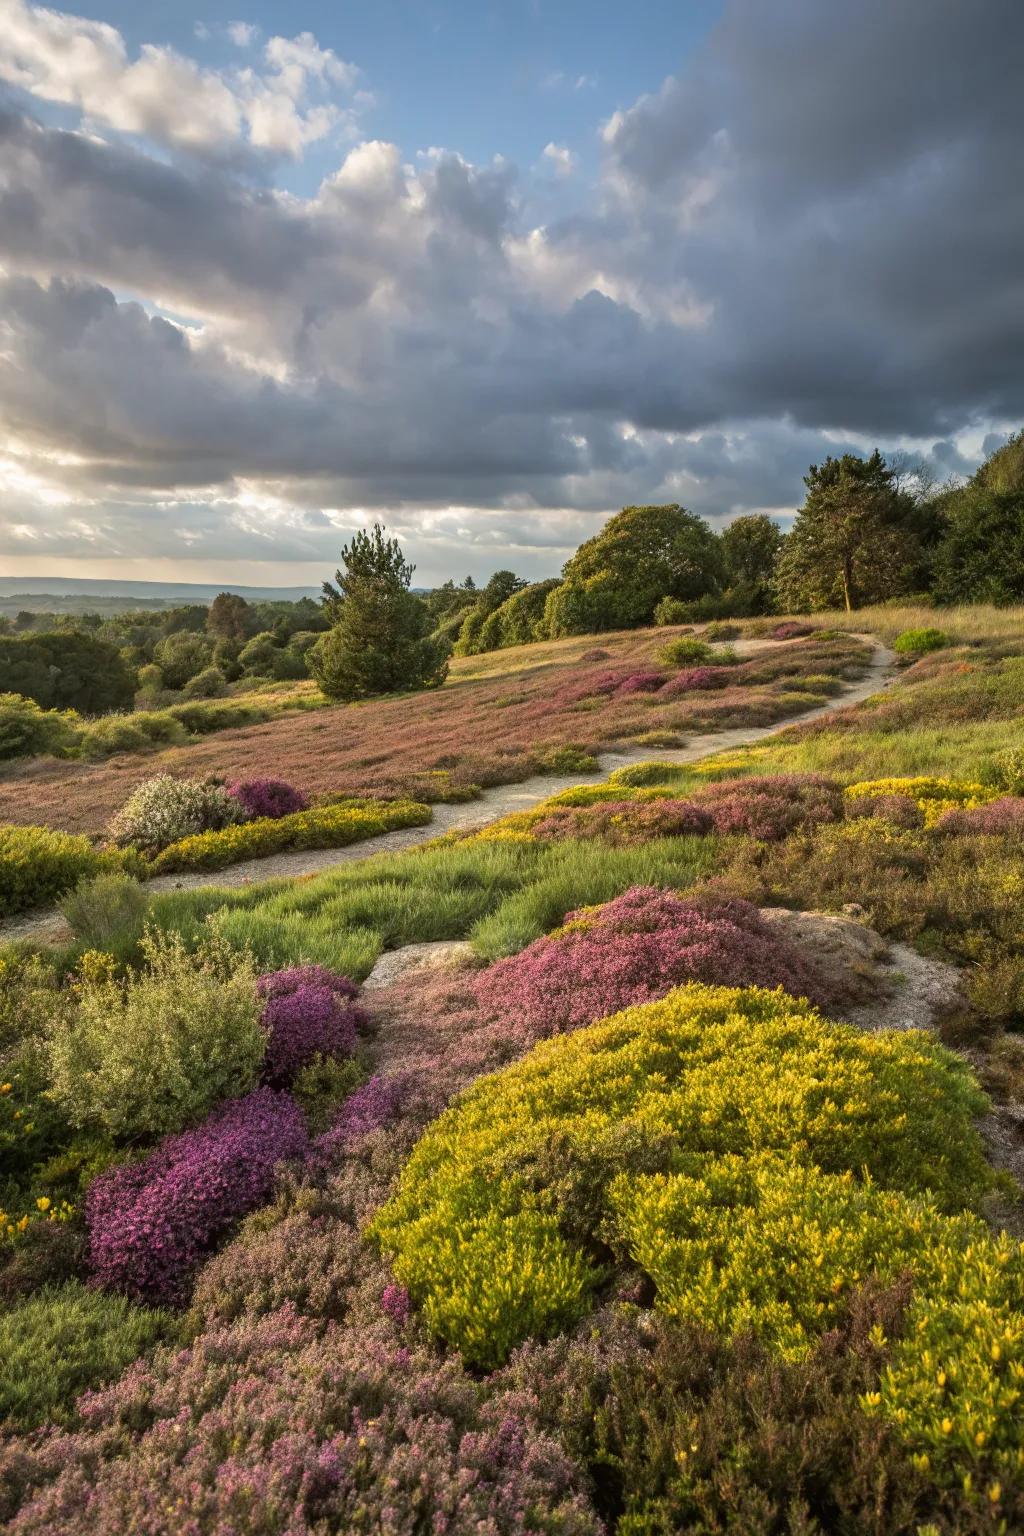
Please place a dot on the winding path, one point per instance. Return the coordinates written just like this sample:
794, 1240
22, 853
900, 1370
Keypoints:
49, 927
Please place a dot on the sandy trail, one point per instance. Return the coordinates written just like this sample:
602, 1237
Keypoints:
48, 927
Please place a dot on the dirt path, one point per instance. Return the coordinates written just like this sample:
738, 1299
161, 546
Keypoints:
48, 927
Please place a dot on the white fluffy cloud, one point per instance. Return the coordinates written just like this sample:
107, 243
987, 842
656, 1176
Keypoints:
771, 267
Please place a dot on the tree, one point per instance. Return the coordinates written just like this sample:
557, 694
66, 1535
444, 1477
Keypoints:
855, 540
750, 550
181, 655
229, 618
259, 656
480, 631
69, 670
981, 553
380, 640
616, 579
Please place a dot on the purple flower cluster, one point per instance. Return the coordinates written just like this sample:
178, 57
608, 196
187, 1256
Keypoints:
999, 818
267, 797
646, 681
151, 1223
375, 1105
791, 630
697, 680
308, 1012
770, 807
282, 1426
395, 1303
636, 949
624, 822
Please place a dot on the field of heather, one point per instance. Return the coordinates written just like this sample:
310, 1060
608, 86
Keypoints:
497, 719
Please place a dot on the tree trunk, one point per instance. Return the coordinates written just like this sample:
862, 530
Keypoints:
848, 583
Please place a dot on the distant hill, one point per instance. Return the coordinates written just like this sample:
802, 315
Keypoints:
167, 593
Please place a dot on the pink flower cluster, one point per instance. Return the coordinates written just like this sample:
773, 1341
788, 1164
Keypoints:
375, 1105
770, 807
636, 949
151, 1223
641, 682
624, 822
308, 1012
789, 629
999, 818
267, 797
697, 680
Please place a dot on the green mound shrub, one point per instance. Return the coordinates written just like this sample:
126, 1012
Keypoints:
27, 730
567, 759
131, 733
328, 826
154, 1053
643, 775
64, 1340
672, 610
683, 649
37, 865
918, 642
508, 1209
106, 912
163, 810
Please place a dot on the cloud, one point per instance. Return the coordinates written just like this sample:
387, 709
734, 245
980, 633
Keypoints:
772, 267
560, 159
163, 96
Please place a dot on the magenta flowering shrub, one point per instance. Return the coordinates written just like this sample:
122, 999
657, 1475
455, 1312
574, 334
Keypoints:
641, 682
899, 809
770, 807
377, 1104
696, 680
999, 818
281, 1425
308, 1012
267, 797
151, 1223
624, 822
396, 1304
791, 630
636, 949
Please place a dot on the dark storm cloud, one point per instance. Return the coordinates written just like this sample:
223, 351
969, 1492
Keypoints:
810, 238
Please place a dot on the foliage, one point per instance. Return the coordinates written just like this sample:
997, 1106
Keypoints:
155, 1052
998, 818
162, 810
27, 730
696, 680
981, 557
210, 683
918, 642
856, 538
770, 807
671, 610
63, 1341
380, 642
129, 733
496, 1213
643, 554
103, 910
307, 1012
37, 866
66, 669
181, 655
325, 826
751, 546
932, 796
152, 1222
636, 949
267, 797
683, 649
623, 823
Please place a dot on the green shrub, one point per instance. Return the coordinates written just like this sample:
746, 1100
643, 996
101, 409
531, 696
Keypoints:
210, 683
154, 1053
918, 642
1006, 771
672, 610
643, 775
203, 716
37, 865
321, 1088
567, 759
719, 630
59, 1343
683, 649
106, 911
27, 730
497, 1215
330, 826
163, 810
130, 733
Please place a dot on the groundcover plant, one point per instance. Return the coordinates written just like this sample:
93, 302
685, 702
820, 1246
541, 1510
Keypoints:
604, 1221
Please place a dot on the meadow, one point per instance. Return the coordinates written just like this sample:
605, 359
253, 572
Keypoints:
607, 1220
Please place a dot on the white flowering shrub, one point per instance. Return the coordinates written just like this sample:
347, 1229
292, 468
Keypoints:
162, 810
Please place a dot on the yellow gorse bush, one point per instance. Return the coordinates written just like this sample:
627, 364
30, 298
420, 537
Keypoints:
933, 797
329, 826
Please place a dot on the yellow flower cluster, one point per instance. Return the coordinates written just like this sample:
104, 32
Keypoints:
13, 1227
932, 796
327, 826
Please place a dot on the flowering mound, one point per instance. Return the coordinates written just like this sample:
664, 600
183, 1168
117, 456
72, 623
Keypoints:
933, 797
999, 818
151, 1223
308, 1012
375, 1105
641, 682
725, 1099
769, 807
635, 949
164, 809
278, 1424
696, 680
623, 822
267, 797
790, 630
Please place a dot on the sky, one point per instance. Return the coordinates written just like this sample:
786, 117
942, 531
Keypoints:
488, 270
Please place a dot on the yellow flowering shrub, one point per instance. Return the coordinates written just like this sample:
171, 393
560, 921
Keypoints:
932, 796
704, 1074
327, 826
